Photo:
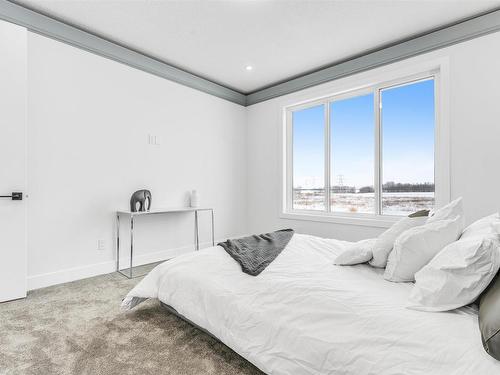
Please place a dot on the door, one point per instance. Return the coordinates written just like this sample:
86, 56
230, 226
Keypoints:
13, 91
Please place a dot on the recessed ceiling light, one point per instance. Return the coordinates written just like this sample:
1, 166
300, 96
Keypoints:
249, 67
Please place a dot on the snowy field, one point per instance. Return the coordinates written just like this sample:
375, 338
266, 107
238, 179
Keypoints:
392, 203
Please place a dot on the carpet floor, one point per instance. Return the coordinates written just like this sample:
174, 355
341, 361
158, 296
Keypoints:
78, 328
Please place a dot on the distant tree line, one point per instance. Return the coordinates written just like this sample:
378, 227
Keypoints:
366, 189
392, 187
343, 189
388, 187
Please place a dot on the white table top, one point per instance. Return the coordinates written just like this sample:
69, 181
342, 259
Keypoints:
166, 210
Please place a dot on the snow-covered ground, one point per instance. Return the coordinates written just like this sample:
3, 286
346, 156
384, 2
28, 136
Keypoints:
392, 203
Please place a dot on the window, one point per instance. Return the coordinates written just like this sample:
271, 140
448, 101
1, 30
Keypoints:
309, 159
407, 128
367, 152
352, 154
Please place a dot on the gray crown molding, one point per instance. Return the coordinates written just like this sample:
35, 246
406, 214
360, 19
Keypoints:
63, 32
55, 29
456, 33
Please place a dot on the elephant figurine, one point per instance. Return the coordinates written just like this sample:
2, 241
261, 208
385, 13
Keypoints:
140, 196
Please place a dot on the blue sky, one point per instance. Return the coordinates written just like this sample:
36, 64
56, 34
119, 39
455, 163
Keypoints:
407, 134
352, 140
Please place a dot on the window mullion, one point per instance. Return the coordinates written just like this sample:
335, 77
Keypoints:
327, 156
289, 161
378, 152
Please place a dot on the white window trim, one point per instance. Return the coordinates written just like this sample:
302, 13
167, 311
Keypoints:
440, 72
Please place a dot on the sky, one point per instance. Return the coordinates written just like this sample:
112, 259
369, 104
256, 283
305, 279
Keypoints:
407, 121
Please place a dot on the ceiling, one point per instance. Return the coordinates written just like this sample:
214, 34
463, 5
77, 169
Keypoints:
280, 39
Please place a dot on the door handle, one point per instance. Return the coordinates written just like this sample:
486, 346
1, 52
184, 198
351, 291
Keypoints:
16, 196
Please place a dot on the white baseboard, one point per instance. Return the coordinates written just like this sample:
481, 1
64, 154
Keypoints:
69, 274
83, 272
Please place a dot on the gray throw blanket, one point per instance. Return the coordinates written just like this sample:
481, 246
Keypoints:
255, 253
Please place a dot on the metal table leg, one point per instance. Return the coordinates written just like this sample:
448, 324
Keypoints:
117, 242
196, 234
213, 236
131, 244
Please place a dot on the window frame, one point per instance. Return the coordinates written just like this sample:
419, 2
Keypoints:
377, 219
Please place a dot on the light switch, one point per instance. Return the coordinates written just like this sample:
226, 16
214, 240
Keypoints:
154, 140
101, 244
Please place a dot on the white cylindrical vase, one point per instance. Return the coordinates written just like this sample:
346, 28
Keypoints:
195, 199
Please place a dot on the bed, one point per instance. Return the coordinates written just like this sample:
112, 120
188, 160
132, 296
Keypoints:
303, 315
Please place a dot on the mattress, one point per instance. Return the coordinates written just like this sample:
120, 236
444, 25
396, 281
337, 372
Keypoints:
304, 315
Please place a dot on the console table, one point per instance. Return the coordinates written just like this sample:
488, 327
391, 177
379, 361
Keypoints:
132, 215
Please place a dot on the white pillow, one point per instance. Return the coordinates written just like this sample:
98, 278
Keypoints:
385, 242
448, 212
417, 246
487, 225
457, 275
358, 252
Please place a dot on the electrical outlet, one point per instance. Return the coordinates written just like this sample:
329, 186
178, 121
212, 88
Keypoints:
101, 244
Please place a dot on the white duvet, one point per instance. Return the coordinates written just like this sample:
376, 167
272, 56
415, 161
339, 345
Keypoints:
303, 315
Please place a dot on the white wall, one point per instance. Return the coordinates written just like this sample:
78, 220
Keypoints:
474, 113
88, 123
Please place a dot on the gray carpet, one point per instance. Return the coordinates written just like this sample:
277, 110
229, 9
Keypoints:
78, 328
